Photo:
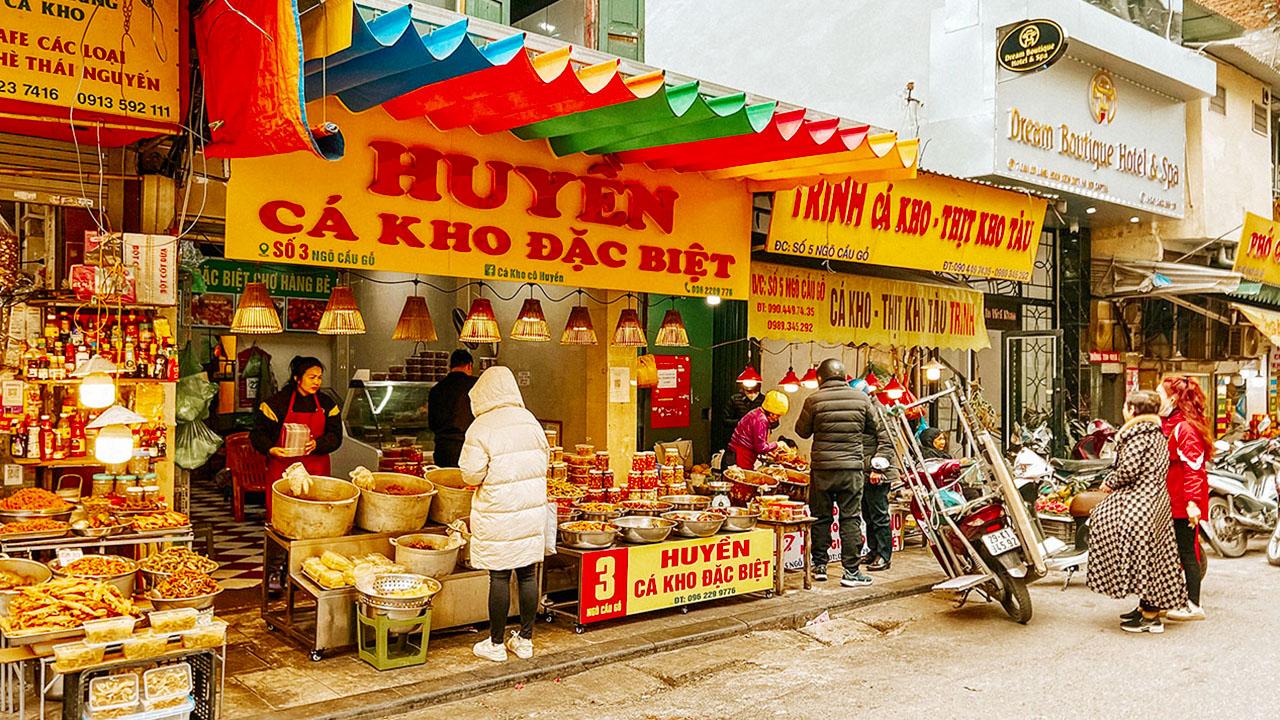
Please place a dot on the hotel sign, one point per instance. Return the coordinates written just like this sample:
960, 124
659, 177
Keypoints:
1031, 45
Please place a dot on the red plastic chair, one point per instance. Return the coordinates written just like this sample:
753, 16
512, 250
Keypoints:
248, 473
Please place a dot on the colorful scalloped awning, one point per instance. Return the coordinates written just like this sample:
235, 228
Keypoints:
449, 78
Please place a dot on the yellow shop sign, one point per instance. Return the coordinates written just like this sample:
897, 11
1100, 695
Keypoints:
1258, 255
409, 198
930, 223
798, 304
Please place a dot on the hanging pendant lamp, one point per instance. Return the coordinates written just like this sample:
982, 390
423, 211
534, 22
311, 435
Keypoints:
415, 322
579, 330
256, 314
481, 325
629, 332
789, 382
531, 323
672, 333
933, 370
810, 379
749, 378
342, 315
894, 390
873, 382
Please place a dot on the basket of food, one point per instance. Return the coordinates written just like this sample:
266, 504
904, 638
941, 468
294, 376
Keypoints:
686, 502
588, 535
600, 511
305, 506
33, 529
331, 570
34, 503
696, 523
392, 502
792, 482
62, 604
155, 568
643, 529
114, 570
19, 573
740, 519
185, 589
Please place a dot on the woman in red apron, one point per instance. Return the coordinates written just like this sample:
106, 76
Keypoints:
300, 402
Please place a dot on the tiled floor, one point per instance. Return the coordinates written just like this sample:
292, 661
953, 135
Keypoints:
237, 546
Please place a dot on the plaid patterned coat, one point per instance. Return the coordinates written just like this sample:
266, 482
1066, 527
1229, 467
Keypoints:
1132, 550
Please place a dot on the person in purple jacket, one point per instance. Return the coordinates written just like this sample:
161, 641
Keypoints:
751, 438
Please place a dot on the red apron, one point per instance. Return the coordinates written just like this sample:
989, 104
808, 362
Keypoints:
315, 421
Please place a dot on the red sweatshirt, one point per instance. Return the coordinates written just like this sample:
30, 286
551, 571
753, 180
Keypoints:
1188, 478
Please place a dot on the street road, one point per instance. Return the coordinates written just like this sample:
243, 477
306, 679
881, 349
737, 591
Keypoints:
918, 657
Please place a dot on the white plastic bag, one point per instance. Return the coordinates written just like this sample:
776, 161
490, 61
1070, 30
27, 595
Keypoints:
552, 528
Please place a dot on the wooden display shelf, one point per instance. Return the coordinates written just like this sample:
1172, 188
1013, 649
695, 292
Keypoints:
119, 381
86, 461
72, 302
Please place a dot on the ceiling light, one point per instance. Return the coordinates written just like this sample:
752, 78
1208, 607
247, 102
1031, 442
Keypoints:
531, 323
749, 378
579, 330
481, 325
342, 315
256, 313
713, 300
672, 333
1090, 210
933, 370
810, 379
415, 322
628, 332
790, 383
1135, 219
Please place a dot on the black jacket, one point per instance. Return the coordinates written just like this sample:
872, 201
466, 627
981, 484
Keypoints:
449, 408
841, 421
268, 419
737, 408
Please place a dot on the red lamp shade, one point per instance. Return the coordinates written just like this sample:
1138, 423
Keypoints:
531, 324
873, 382
894, 390
579, 330
810, 379
789, 382
749, 378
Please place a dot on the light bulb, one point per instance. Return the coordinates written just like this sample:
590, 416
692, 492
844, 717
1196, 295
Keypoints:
114, 444
97, 390
713, 300
933, 374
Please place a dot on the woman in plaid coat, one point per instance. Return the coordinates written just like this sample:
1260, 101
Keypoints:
1132, 550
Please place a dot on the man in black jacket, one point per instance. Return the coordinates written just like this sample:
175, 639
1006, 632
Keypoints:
449, 409
839, 419
875, 499
739, 404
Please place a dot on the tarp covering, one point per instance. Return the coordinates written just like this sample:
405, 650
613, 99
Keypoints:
1267, 321
1130, 277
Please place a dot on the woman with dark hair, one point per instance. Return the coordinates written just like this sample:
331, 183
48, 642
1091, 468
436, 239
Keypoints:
1131, 544
1190, 449
299, 402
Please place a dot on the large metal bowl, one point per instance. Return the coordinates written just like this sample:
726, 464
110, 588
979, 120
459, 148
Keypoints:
686, 502
100, 532
688, 527
588, 540
16, 515
740, 519
34, 573
651, 508
124, 582
199, 602
644, 529
599, 514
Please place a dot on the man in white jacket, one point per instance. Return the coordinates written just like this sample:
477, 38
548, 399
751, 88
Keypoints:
505, 456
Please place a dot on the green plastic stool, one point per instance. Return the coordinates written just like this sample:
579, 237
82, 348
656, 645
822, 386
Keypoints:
383, 651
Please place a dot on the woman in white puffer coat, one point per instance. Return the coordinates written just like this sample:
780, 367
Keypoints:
505, 456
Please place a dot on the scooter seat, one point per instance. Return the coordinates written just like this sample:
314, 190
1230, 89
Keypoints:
1080, 466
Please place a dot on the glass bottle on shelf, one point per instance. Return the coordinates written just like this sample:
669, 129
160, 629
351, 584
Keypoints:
79, 441
47, 438
33, 438
18, 438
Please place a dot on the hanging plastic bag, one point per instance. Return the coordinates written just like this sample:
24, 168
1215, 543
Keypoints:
194, 444
194, 394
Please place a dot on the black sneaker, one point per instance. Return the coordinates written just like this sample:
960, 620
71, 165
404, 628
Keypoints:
878, 565
1133, 614
855, 579
820, 573
1143, 624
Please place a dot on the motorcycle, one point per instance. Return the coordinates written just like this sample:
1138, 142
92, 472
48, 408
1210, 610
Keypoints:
971, 514
1242, 494
1273, 545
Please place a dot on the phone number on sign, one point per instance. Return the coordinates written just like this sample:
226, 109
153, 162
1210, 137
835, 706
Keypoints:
790, 326
700, 596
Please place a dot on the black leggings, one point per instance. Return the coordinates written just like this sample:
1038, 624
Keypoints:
500, 601
1189, 553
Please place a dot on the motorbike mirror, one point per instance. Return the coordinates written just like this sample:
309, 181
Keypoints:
1222, 446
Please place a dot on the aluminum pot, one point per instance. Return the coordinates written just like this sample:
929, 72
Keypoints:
454, 499
327, 510
435, 561
379, 511
686, 502
590, 540
740, 519
686, 526
31, 572
199, 602
652, 508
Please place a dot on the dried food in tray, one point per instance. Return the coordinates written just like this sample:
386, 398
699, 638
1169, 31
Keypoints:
209, 635
172, 621
63, 604
76, 656
111, 630
167, 682
178, 558
33, 529
110, 692
145, 644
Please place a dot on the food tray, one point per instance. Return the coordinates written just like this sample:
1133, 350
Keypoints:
101, 532
123, 687
38, 535
178, 676
163, 531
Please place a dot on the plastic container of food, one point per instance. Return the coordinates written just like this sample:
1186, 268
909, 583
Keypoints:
109, 630
145, 644
170, 682
113, 695
172, 621
77, 655
201, 637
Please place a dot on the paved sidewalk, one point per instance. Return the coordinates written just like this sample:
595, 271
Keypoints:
270, 678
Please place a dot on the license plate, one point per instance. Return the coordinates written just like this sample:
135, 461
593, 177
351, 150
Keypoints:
1001, 541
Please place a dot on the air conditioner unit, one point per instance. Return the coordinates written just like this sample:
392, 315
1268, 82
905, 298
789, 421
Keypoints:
1244, 341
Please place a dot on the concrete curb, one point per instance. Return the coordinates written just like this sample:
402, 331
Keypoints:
459, 686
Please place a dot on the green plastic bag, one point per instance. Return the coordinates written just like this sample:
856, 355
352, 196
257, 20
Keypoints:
194, 394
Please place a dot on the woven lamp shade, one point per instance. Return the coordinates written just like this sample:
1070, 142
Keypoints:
481, 325
531, 323
415, 322
342, 315
256, 314
629, 332
579, 330
672, 333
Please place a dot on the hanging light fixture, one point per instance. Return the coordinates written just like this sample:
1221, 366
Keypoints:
933, 370
749, 378
789, 382
481, 325
873, 382
713, 300
342, 315
579, 330
894, 390
114, 443
531, 323
256, 313
629, 332
810, 379
672, 333
415, 323
97, 388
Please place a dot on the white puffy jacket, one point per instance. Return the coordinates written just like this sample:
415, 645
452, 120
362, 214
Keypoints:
505, 455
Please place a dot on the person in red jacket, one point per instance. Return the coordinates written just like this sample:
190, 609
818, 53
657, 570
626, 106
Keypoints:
751, 438
1190, 449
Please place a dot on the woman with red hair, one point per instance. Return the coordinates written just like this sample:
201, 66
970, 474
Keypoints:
1190, 448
